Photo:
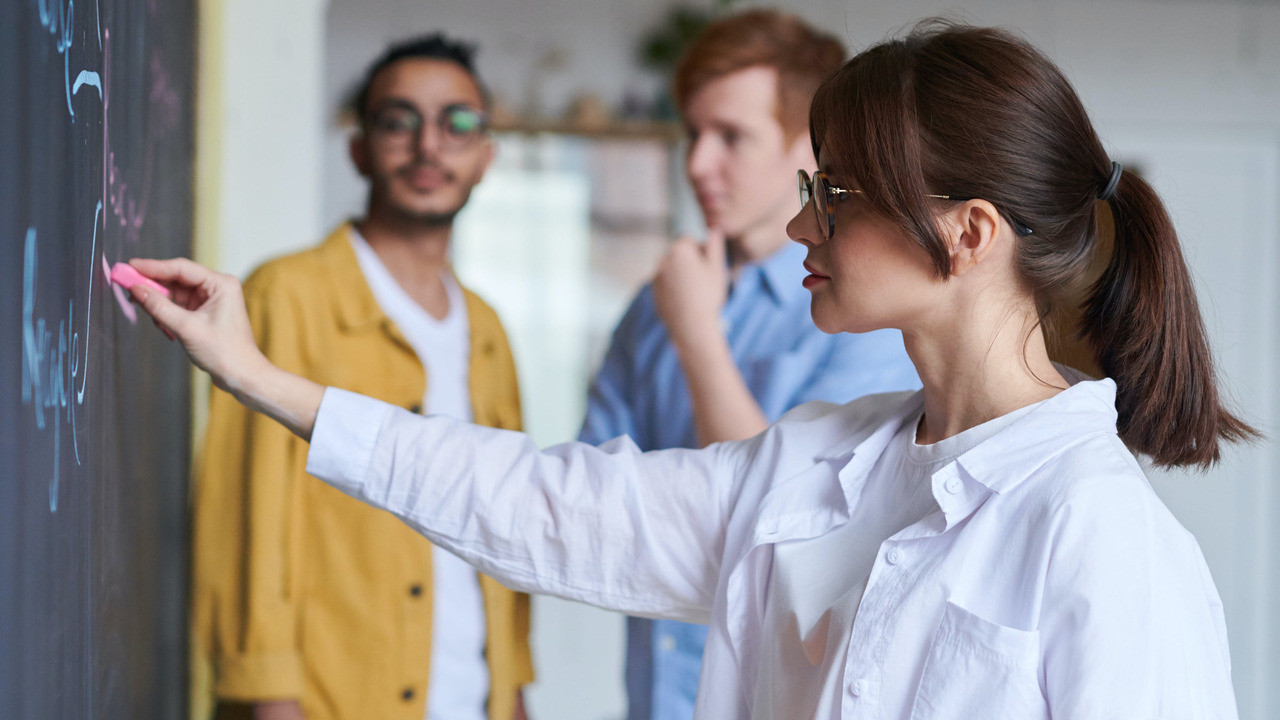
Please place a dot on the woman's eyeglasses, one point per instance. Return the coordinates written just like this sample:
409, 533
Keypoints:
823, 194
399, 125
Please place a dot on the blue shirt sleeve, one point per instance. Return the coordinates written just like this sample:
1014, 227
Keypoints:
609, 412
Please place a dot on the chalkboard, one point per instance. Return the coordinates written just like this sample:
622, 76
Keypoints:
95, 166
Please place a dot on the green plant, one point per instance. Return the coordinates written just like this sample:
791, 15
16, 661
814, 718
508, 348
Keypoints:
663, 45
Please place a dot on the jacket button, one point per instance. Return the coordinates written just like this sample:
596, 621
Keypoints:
407, 694
415, 590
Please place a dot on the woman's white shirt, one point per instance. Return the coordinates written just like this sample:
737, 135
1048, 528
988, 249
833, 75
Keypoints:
816, 584
1051, 581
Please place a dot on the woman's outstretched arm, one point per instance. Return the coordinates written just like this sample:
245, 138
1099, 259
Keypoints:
206, 314
638, 532
642, 533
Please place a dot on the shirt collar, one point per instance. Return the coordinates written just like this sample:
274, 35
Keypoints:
782, 272
354, 303
1000, 463
1004, 461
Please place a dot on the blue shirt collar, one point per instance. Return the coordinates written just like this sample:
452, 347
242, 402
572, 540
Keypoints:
782, 272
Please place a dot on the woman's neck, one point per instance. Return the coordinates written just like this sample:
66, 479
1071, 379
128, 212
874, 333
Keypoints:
980, 367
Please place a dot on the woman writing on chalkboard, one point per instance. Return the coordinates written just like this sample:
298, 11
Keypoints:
987, 547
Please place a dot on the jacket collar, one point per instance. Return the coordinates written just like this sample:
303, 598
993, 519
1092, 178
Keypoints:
354, 303
357, 308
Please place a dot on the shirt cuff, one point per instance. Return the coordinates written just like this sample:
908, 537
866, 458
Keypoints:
343, 439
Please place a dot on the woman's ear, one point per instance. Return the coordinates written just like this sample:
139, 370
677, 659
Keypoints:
973, 230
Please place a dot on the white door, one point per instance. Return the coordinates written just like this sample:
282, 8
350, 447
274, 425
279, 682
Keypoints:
1222, 186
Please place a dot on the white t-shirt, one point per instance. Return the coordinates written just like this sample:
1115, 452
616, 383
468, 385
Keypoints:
458, 687
817, 584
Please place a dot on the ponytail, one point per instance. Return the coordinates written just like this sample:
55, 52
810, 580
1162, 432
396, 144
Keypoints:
1143, 322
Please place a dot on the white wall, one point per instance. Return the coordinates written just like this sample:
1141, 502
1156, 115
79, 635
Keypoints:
1189, 89
267, 99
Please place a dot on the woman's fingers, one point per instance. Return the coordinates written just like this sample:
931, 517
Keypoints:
175, 272
167, 333
205, 313
160, 308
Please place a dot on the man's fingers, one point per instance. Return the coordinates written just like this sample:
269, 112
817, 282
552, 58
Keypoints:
713, 246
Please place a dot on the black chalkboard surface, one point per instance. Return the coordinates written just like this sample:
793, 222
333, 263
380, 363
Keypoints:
95, 166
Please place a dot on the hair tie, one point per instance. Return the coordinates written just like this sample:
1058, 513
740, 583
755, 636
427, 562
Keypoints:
1116, 170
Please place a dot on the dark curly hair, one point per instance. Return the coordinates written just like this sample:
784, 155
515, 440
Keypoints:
436, 46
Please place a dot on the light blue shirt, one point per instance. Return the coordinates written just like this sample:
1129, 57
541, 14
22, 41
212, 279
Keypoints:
785, 360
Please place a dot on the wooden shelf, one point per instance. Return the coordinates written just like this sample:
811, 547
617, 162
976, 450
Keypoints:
670, 132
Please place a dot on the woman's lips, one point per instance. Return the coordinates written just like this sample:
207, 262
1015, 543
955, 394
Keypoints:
814, 277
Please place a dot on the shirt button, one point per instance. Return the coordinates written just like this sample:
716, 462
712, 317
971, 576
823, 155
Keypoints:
667, 643
894, 556
858, 687
953, 485
415, 590
406, 694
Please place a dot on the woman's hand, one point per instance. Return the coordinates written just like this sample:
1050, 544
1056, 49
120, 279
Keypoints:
206, 314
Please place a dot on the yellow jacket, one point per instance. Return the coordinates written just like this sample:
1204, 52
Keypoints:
298, 590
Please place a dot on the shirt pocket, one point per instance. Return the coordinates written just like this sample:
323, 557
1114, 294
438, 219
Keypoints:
979, 669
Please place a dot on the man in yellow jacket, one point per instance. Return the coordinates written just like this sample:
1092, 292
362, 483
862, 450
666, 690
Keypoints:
307, 603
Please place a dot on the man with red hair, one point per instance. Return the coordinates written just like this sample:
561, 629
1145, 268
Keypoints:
721, 344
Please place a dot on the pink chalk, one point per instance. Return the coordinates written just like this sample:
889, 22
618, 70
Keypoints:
124, 275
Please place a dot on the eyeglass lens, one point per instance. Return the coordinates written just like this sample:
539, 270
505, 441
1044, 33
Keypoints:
460, 125
815, 188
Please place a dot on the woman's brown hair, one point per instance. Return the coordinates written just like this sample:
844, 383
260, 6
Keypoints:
979, 113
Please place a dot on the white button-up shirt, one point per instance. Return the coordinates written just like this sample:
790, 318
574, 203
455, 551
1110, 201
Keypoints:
1052, 583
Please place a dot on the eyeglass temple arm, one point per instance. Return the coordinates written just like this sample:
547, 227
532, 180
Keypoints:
842, 191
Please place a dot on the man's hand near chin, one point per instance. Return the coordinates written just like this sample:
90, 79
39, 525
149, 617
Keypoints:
689, 293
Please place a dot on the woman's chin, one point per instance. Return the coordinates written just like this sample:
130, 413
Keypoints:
827, 322
832, 322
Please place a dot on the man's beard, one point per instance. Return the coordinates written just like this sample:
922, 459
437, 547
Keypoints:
424, 220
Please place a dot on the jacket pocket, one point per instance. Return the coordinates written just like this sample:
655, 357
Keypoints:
979, 669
